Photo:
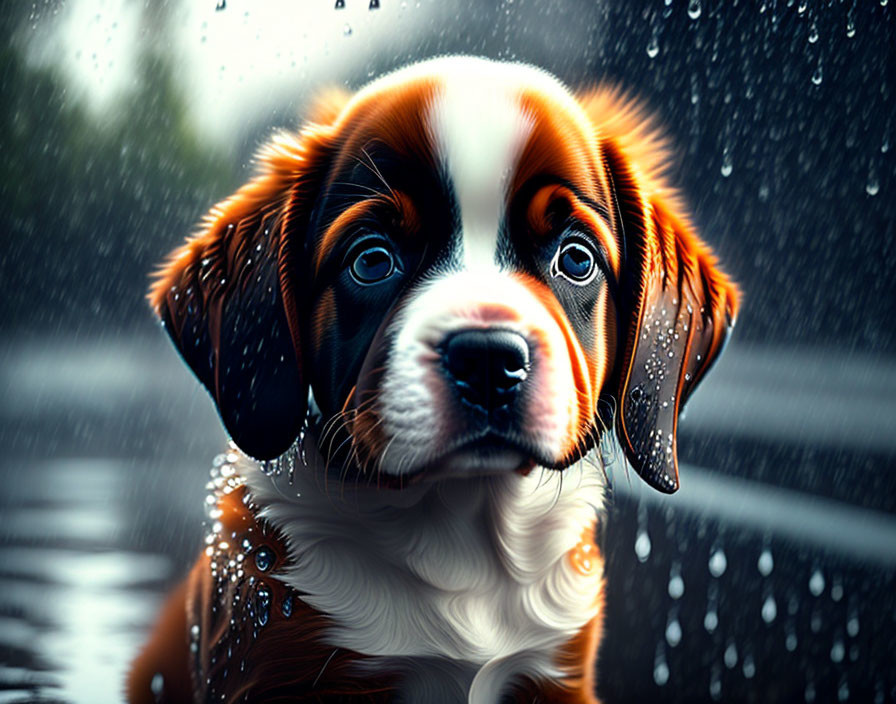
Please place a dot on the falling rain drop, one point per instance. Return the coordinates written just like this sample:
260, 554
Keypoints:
817, 75
693, 9
801, 8
766, 563
809, 694
843, 691
642, 546
816, 583
673, 632
850, 27
660, 666
711, 621
718, 563
837, 651
873, 185
731, 656
749, 667
715, 684
813, 32
676, 583
727, 165
653, 46
769, 609
852, 626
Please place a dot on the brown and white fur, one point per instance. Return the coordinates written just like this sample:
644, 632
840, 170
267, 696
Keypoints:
451, 286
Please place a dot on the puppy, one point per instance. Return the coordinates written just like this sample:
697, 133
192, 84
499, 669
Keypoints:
421, 318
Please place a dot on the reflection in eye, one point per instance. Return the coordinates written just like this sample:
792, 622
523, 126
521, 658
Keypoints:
373, 265
575, 262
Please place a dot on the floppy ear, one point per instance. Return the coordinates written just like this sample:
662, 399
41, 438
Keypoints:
232, 297
676, 307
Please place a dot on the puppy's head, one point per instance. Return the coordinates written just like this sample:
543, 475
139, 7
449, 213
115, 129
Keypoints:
471, 268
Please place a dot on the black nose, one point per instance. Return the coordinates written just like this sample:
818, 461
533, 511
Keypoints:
487, 366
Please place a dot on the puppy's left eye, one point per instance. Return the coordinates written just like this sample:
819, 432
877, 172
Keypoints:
373, 264
576, 262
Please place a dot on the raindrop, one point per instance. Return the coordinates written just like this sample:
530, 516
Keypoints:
809, 694
673, 632
749, 667
790, 642
801, 8
731, 656
727, 165
852, 626
286, 608
850, 27
766, 563
843, 691
676, 583
264, 559
817, 75
711, 621
718, 563
642, 546
769, 609
813, 32
873, 185
653, 46
816, 583
693, 9
837, 588
837, 651
660, 666
715, 685
346, 29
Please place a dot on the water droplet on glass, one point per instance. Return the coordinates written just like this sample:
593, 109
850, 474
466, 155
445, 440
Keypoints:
769, 609
766, 563
264, 559
817, 75
816, 583
718, 563
693, 9
653, 47
731, 656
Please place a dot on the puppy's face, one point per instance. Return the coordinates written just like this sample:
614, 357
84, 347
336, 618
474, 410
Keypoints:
469, 269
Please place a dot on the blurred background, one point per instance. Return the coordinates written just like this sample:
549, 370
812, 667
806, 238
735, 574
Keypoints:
770, 576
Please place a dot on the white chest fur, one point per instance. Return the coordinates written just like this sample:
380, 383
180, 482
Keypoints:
467, 576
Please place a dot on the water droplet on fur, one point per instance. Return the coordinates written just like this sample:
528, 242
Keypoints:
264, 559
262, 606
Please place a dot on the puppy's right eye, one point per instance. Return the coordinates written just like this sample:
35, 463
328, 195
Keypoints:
372, 265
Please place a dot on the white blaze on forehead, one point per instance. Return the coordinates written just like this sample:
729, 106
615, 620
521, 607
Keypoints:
480, 129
